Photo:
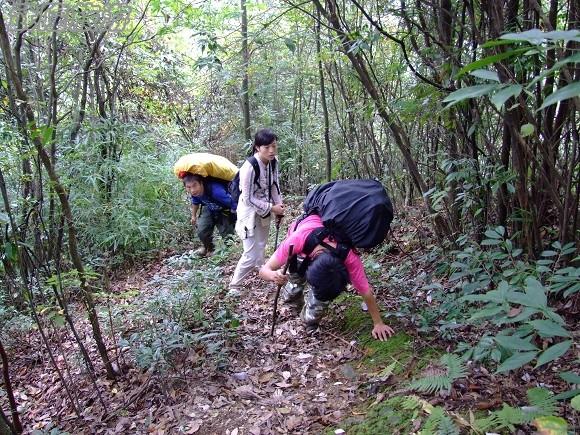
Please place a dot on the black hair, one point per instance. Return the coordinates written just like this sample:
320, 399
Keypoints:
188, 178
328, 276
265, 136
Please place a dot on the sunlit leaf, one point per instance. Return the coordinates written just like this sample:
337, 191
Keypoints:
527, 130
568, 91
500, 97
468, 92
485, 74
551, 425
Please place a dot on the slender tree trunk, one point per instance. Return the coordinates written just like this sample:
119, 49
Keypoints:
245, 78
323, 101
8, 387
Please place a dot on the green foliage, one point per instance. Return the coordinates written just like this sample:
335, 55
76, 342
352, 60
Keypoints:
154, 346
541, 403
130, 204
470, 184
172, 320
439, 423
518, 301
14, 325
530, 42
442, 377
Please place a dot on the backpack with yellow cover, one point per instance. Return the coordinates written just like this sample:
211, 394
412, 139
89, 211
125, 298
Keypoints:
206, 165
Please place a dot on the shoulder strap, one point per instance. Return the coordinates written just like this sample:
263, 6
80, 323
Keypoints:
317, 236
254, 162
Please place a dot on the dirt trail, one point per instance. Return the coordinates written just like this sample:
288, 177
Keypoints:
294, 382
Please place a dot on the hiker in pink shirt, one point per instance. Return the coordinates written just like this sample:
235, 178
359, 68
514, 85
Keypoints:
321, 275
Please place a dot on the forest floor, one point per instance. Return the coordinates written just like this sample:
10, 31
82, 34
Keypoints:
224, 374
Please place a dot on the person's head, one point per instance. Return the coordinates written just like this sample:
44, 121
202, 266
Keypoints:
327, 276
193, 184
266, 144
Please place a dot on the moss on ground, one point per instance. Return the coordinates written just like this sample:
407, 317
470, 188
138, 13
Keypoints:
377, 353
390, 416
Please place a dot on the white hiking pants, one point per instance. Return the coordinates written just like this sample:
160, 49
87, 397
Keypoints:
253, 255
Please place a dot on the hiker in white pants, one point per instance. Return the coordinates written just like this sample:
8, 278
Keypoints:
259, 198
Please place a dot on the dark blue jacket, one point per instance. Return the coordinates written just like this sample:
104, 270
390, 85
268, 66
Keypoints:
215, 197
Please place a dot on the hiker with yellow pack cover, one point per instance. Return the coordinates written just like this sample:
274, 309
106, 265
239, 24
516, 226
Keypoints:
206, 177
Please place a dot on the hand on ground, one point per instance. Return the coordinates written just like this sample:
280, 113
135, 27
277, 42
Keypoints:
382, 332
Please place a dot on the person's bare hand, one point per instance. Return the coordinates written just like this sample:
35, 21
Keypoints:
279, 278
382, 332
278, 209
193, 220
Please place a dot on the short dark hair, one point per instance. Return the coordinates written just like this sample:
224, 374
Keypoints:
328, 276
265, 136
188, 178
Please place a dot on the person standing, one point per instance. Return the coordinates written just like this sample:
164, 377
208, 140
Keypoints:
260, 199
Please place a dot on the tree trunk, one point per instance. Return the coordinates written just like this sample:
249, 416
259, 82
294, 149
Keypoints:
245, 78
323, 101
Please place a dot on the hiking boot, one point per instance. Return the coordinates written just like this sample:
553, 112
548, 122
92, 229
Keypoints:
313, 310
293, 289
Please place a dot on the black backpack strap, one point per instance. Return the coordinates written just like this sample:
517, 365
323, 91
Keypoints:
254, 162
317, 236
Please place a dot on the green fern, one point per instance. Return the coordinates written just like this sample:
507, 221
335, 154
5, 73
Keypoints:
440, 377
410, 403
439, 423
507, 417
542, 402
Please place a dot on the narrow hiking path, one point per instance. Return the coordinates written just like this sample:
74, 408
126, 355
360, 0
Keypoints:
196, 361
293, 382
236, 380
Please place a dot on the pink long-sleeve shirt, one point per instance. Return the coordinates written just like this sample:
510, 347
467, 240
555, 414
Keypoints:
297, 238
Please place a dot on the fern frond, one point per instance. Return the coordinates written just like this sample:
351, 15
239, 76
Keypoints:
440, 377
507, 417
439, 423
410, 403
542, 402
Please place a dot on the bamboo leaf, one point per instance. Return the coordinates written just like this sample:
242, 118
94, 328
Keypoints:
553, 352
547, 328
516, 361
536, 293
489, 60
500, 97
512, 342
468, 92
569, 91
485, 74
570, 377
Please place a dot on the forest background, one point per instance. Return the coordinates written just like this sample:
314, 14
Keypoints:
467, 111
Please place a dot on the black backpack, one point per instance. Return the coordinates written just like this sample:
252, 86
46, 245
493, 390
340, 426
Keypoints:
355, 213
234, 186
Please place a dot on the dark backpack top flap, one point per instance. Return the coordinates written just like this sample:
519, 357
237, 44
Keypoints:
356, 212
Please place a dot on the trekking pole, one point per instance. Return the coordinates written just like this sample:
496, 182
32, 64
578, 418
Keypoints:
278, 222
275, 312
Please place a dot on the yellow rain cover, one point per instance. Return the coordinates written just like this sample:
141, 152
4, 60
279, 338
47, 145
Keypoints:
205, 164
